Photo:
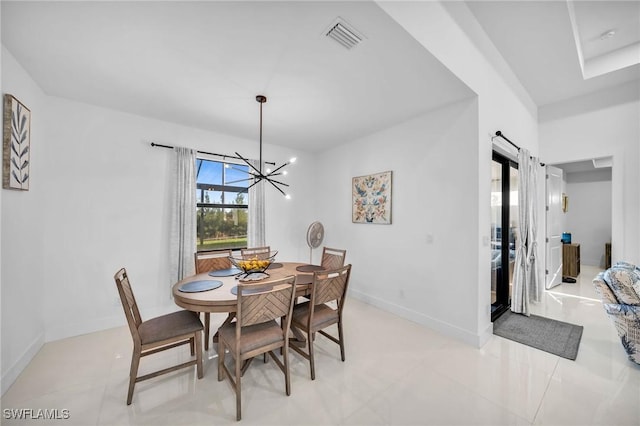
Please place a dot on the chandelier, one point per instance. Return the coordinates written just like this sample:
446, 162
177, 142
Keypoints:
256, 174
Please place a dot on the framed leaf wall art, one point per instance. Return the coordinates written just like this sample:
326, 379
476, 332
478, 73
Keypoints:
16, 144
371, 198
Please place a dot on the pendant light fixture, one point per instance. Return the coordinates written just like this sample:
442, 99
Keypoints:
256, 173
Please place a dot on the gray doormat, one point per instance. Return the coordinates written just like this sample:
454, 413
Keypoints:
556, 337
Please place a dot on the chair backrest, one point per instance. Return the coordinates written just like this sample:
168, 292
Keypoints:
332, 258
255, 252
212, 260
258, 303
603, 289
330, 285
623, 281
129, 303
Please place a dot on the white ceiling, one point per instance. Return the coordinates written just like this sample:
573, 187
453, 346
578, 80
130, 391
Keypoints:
548, 43
596, 164
201, 64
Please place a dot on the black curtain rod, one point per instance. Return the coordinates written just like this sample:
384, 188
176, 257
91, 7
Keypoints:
209, 153
500, 135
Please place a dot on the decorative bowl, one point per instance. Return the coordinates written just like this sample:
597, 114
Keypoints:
254, 267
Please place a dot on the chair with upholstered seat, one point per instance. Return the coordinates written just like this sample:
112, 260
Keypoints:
207, 261
255, 252
256, 330
332, 258
158, 334
323, 309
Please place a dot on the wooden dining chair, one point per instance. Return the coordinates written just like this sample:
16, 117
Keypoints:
318, 312
158, 334
256, 331
207, 261
332, 258
253, 252
212, 260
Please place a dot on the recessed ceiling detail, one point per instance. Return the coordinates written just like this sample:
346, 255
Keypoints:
600, 163
601, 47
344, 34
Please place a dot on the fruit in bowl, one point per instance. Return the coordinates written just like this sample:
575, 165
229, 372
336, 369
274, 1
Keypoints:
254, 267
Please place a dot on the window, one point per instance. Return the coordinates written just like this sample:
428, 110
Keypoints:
222, 205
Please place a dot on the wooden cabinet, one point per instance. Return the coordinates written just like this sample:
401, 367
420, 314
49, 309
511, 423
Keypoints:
570, 260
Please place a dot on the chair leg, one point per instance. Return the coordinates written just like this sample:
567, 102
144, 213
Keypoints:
287, 379
341, 337
245, 365
221, 353
192, 346
238, 388
198, 340
133, 372
207, 325
312, 363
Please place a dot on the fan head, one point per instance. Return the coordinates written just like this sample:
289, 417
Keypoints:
315, 234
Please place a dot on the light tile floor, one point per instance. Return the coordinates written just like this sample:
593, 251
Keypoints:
396, 372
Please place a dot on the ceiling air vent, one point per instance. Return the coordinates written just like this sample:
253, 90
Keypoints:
344, 34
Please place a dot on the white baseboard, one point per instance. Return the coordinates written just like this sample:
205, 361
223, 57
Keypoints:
57, 331
447, 329
486, 334
14, 371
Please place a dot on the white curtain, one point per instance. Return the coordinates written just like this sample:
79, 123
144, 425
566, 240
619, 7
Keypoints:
526, 286
535, 283
183, 217
256, 225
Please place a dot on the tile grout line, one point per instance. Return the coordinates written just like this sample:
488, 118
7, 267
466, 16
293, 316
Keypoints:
544, 394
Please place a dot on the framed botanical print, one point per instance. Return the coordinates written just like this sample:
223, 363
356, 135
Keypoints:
16, 144
371, 198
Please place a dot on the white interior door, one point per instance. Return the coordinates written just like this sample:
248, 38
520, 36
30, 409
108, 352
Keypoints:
554, 227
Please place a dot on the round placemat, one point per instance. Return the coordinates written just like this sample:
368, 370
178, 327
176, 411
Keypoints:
309, 268
198, 286
234, 290
225, 272
275, 266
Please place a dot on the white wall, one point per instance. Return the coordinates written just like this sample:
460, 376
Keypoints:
601, 125
23, 276
449, 31
424, 262
99, 200
589, 226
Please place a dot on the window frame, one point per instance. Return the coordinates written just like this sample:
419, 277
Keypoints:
201, 188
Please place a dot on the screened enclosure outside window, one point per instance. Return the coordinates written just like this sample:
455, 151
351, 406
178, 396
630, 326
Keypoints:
222, 205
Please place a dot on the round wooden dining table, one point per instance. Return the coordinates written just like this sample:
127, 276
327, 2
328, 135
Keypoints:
224, 299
